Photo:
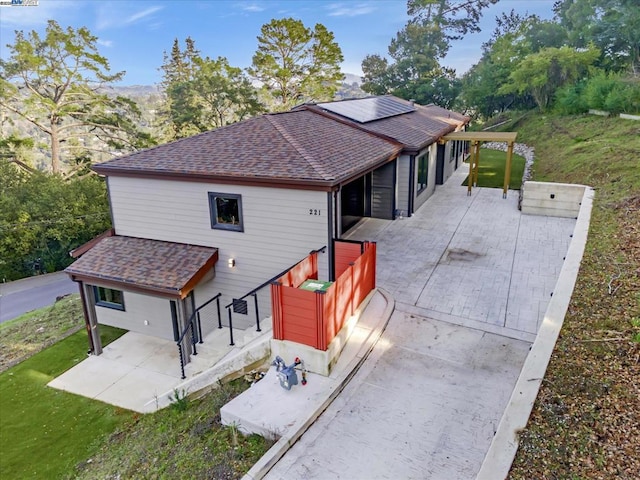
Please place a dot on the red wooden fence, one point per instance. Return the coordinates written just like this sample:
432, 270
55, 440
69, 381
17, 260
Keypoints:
315, 318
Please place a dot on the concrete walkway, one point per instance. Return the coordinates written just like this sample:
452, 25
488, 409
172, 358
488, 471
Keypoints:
140, 372
472, 278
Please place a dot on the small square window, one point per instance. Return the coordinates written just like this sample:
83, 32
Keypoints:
226, 211
110, 298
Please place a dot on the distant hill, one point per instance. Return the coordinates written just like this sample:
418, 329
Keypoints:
134, 91
350, 88
350, 78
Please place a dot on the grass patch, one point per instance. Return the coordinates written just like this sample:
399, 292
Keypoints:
492, 167
45, 432
185, 441
584, 423
29, 333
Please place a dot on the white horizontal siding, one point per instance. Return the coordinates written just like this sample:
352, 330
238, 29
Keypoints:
138, 309
278, 229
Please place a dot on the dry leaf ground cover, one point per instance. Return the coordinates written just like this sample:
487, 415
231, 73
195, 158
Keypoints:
586, 419
26, 335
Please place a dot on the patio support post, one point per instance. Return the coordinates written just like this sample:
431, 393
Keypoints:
507, 170
89, 301
477, 165
470, 179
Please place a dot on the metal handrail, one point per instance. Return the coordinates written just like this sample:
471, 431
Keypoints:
254, 292
190, 325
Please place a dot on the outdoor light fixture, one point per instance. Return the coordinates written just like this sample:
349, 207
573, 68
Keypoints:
232, 262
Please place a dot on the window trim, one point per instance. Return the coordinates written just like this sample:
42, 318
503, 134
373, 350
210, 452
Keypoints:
420, 188
106, 303
213, 212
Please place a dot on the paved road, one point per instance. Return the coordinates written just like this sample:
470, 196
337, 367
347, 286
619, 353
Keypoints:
31, 293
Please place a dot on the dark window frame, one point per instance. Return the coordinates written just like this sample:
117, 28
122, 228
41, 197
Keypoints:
422, 186
103, 299
453, 151
213, 212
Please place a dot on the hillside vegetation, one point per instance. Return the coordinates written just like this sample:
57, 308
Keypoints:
586, 421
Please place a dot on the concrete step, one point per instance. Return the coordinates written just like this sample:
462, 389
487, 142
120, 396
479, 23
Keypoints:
216, 347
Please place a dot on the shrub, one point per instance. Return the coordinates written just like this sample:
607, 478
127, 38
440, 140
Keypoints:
570, 99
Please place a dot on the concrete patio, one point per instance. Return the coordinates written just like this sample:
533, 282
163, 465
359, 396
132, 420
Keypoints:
138, 372
472, 279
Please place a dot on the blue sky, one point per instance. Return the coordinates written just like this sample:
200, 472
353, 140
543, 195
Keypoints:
134, 34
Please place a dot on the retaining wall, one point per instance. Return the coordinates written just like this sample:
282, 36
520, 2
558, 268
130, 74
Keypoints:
552, 199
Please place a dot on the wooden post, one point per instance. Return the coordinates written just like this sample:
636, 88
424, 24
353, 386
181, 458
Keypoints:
89, 302
477, 165
276, 311
321, 321
507, 170
471, 161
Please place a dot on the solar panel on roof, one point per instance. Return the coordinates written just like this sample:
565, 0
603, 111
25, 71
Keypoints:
365, 110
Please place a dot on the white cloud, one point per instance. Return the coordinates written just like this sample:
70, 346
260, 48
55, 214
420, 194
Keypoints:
252, 7
350, 9
116, 14
105, 43
144, 13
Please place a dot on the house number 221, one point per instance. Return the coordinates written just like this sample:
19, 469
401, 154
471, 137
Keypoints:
313, 211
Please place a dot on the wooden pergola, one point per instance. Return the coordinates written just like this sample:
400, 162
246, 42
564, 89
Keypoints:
476, 138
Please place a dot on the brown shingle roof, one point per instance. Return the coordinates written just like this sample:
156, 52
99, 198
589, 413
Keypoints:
299, 146
152, 266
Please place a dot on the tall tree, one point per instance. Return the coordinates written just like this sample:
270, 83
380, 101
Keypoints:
44, 216
179, 65
612, 25
296, 64
420, 46
542, 74
203, 94
515, 37
58, 84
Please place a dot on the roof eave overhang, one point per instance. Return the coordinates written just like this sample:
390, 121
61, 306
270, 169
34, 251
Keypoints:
300, 184
155, 290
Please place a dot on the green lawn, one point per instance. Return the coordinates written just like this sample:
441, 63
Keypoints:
491, 169
45, 432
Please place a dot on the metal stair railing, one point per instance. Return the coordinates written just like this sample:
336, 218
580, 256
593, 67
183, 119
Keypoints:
193, 325
254, 293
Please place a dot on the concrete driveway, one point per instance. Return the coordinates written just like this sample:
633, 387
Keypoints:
472, 278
